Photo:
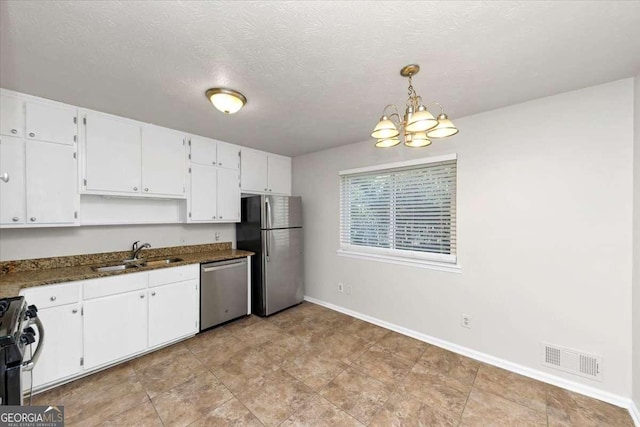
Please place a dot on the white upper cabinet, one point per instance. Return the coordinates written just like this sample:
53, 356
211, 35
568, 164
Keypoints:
203, 197
51, 123
41, 187
228, 156
52, 195
207, 151
124, 157
254, 171
12, 190
203, 150
279, 174
228, 195
262, 172
12, 119
111, 154
214, 194
163, 162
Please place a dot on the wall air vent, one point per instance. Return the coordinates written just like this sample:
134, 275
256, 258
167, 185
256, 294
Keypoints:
572, 361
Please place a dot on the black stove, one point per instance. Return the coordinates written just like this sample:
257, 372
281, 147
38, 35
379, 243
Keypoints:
16, 334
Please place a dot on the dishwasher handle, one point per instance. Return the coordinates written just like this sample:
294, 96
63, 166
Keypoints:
213, 267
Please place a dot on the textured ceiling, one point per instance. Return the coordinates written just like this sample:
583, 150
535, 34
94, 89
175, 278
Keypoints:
316, 74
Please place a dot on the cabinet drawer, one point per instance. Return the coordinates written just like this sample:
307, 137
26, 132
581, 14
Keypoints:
105, 286
172, 275
52, 295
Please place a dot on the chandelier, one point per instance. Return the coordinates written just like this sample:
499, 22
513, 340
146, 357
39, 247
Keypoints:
418, 125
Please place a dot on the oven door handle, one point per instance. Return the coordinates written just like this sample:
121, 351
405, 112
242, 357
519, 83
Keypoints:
28, 365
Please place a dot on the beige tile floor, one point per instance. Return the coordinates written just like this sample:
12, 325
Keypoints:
310, 366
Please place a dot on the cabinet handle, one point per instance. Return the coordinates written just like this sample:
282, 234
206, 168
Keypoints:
15, 219
220, 217
31, 134
213, 163
74, 311
53, 298
135, 188
146, 189
142, 296
5, 176
14, 131
265, 189
219, 164
270, 190
33, 219
153, 294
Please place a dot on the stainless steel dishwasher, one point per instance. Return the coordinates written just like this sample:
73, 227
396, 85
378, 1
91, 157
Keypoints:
223, 292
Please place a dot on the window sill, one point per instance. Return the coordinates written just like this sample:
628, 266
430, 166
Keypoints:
410, 262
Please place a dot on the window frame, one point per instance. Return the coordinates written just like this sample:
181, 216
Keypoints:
430, 260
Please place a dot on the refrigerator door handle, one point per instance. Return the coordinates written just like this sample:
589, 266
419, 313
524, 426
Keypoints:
268, 211
267, 244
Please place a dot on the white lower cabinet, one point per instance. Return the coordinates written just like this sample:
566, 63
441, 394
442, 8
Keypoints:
114, 327
60, 310
98, 322
62, 352
165, 328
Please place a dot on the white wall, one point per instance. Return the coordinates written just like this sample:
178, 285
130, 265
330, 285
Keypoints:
545, 223
48, 242
636, 244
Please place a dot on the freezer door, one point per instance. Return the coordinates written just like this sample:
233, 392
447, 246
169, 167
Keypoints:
281, 212
282, 268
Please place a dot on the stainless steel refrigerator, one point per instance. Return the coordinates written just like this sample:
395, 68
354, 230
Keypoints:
271, 227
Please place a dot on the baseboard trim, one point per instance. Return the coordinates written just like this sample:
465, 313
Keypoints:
635, 413
605, 396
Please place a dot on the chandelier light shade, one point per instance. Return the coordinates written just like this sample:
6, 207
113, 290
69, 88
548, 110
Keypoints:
385, 129
445, 128
389, 142
228, 101
417, 125
416, 140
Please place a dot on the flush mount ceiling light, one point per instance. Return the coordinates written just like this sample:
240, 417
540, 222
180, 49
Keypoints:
228, 101
418, 124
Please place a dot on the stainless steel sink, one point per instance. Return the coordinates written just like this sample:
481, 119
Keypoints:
162, 261
128, 264
116, 267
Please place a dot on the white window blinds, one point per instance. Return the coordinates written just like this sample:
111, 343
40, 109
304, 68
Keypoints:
405, 211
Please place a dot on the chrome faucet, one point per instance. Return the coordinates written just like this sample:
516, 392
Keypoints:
135, 249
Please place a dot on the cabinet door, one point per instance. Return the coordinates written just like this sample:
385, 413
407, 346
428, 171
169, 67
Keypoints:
62, 349
12, 202
253, 170
114, 327
203, 193
228, 195
279, 175
203, 150
112, 156
228, 155
51, 181
11, 116
163, 162
181, 301
51, 123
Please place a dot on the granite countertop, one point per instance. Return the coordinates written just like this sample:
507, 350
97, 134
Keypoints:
21, 274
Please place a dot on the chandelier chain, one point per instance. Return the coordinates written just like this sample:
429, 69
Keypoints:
412, 93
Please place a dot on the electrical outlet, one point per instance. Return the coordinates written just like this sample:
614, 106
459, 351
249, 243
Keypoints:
217, 235
340, 287
466, 321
